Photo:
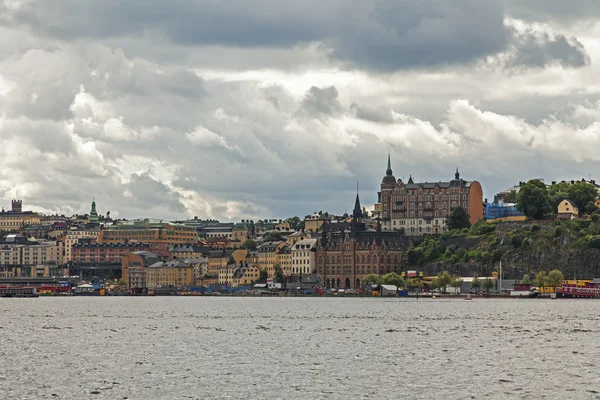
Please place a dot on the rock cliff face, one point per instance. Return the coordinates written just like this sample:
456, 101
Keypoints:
573, 247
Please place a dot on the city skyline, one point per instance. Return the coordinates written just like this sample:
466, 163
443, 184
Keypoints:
211, 110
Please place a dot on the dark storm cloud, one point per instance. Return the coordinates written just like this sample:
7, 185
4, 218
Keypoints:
385, 35
540, 50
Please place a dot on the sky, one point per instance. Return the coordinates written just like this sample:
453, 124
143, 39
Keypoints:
273, 108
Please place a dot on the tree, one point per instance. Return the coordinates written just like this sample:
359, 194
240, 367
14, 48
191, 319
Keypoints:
557, 193
510, 197
533, 199
458, 219
264, 275
582, 193
230, 260
249, 245
273, 236
555, 278
488, 284
475, 283
541, 279
371, 278
526, 280
456, 282
279, 277
443, 280
296, 223
393, 279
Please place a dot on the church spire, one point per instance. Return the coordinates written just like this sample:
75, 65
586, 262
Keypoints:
389, 168
357, 212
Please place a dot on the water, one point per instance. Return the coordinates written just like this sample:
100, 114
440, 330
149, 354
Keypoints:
298, 348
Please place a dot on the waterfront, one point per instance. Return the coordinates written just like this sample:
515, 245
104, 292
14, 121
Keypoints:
232, 347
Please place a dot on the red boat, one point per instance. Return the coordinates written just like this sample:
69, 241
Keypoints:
589, 290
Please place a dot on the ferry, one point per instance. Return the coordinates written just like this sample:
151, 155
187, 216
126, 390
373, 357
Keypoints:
588, 290
18, 291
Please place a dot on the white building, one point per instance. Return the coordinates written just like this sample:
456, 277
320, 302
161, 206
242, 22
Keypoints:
303, 257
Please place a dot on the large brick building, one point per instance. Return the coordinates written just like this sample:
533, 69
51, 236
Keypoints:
422, 208
344, 258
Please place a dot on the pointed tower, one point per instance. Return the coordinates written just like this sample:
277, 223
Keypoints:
389, 178
457, 174
357, 224
93, 213
410, 179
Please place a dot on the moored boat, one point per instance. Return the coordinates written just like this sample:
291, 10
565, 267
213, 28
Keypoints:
18, 291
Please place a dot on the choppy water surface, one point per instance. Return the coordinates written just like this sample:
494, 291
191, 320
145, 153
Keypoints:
298, 348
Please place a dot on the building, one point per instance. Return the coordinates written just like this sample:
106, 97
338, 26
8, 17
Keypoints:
239, 234
283, 258
15, 219
148, 231
567, 210
22, 257
189, 251
297, 236
314, 222
245, 275
134, 267
422, 208
344, 258
268, 256
175, 273
225, 275
89, 258
75, 234
303, 257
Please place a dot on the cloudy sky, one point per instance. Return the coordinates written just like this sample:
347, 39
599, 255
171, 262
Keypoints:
273, 108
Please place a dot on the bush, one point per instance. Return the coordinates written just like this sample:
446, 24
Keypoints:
535, 228
595, 217
516, 240
594, 243
558, 231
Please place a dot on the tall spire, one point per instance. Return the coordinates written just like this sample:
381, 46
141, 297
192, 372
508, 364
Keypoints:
357, 212
410, 179
389, 178
457, 174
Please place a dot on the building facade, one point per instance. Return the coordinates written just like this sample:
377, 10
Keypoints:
303, 257
134, 266
344, 258
170, 273
148, 231
422, 208
74, 235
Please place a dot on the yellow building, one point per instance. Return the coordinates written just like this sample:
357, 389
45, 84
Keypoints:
297, 237
149, 231
267, 256
245, 275
11, 221
567, 209
239, 234
313, 223
283, 257
170, 273
226, 274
